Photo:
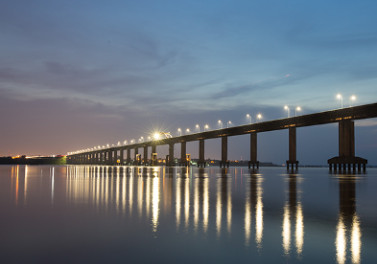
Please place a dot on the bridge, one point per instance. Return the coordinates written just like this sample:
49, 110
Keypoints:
346, 160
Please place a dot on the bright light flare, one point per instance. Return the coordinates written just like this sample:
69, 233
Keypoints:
156, 136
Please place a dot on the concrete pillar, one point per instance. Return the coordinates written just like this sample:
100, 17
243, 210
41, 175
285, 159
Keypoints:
183, 154
110, 159
145, 155
292, 144
292, 162
154, 155
224, 152
201, 153
346, 138
136, 156
253, 151
121, 158
115, 157
128, 156
171, 154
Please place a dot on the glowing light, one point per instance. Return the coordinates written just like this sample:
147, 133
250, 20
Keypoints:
205, 205
341, 242
355, 240
297, 109
340, 98
220, 123
299, 229
286, 234
352, 99
259, 216
248, 117
156, 136
287, 109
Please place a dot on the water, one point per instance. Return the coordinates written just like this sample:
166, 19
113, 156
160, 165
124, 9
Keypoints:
101, 214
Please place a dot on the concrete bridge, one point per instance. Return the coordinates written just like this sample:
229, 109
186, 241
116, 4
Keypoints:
346, 160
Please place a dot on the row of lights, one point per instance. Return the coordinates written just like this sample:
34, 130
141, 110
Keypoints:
206, 127
340, 98
220, 125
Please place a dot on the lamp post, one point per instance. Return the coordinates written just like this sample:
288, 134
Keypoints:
229, 123
197, 127
287, 109
340, 98
248, 117
179, 130
259, 116
220, 123
352, 99
297, 109
206, 127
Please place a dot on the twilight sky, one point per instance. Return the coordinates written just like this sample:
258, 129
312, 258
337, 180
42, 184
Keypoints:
77, 74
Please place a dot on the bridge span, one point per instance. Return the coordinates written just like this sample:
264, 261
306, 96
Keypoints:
346, 160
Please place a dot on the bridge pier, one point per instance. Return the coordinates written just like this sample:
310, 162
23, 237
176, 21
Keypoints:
292, 163
347, 159
128, 160
136, 160
154, 155
183, 154
201, 162
224, 152
121, 158
145, 161
171, 155
253, 163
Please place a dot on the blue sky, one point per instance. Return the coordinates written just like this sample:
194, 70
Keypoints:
74, 74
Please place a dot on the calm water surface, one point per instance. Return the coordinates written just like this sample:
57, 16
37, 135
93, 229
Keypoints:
102, 214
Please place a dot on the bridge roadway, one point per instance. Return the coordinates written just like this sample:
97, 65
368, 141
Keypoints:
344, 116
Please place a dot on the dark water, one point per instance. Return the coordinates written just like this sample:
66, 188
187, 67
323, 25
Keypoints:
91, 214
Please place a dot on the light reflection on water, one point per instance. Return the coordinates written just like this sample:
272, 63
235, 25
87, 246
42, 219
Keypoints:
220, 203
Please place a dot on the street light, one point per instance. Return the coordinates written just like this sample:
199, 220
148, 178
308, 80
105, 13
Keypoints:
220, 123
206, 127
340, 98
197, 127
179, 131
259, 116
297, 109
248, 116
125, 142
288, 110
352, 99
187, 130
229, 123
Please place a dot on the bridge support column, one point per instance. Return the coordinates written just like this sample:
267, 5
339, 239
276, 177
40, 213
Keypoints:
347, 159
253, 163
136, 160
224, 152
145, 155
201, 162
171, 155
103, 157
128, 161
121, 158
292, 163
115, 157
154, 155
183, 154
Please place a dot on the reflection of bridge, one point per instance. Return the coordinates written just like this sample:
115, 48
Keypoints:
344, 117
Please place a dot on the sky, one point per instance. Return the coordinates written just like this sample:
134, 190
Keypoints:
78, 74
